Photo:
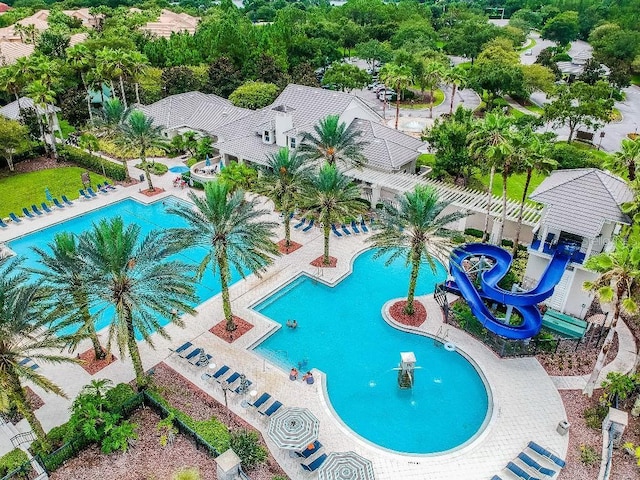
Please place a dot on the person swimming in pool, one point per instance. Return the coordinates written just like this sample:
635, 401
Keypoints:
292, 323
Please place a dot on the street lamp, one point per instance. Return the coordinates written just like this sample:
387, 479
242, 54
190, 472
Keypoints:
225, 386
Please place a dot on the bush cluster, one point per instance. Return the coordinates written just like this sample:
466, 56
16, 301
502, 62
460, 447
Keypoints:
92, 162
12, 460
570, 156
156, 168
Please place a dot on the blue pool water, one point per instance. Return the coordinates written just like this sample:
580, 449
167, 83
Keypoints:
341, 332
179, 169
148, 217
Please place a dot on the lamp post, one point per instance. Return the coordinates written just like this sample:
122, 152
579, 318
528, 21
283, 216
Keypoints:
225, 387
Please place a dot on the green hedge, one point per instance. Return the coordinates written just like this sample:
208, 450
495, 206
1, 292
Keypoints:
12, 461
91, 162
156, 168
473, 232
186, 176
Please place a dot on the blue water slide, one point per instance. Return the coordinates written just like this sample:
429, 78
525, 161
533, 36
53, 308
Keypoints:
524, 302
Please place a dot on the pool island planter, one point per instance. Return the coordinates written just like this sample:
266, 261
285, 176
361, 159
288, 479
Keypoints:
319, 262
418, 317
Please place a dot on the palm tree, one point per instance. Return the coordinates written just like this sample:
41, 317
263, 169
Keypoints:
12, 80
334, 142
490, 144
331, 197
433, 75
139, 132
232, 230
66, 280
416, 230
136, 66
531, 153
625, 162
134, 277
26, 331
80, 58
618, 283
44, 97
400, 77
632, 208
106, 68
283, 180
457, 78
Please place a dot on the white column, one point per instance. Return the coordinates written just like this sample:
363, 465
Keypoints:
543, 237
376, 189
572, 277
589, 248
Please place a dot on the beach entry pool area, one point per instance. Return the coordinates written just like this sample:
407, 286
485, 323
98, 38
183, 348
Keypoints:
148, 217
341, 332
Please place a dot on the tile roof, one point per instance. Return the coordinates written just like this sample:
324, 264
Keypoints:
12, 111
12, 51
170, 22
580, 201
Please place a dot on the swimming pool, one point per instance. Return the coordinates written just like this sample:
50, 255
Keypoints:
341, 332
148, 217
179, 169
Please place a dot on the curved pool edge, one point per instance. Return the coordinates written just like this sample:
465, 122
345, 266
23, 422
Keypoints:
490, 417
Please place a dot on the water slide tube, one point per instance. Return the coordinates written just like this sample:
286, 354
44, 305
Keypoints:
525, 302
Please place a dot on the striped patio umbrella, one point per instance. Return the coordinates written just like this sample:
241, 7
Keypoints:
293, 428
346, 466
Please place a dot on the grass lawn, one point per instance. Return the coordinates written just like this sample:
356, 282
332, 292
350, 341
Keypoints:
439, 98
635, 79
515, 185
428, 159
19, 190
593, 150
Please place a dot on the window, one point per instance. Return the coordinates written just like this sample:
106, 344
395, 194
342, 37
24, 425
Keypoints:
266, 137
292, 142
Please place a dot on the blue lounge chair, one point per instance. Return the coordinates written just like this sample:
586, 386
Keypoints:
496, 477
335, 231
345, 230
182, 347
45, 207
84, 195
101, 189
272, 409
108, 186
310, 226
194, 353
57, 203
221, 371
66, 200
36, 210
232, 378
354, 227
363, 226
313, 466
14, 217
530, 462
520, 473
247, 384
28, 362
543, 452
300, 223
91, 192
310, 450
260, 400
27, 213
2, 224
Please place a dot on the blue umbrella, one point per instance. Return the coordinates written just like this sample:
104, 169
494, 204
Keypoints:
47, 194
221, 165
207, 162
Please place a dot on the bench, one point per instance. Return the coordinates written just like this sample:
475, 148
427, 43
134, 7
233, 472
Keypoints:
564, 324
586, 137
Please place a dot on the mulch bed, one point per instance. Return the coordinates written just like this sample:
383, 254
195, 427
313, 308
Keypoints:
333, 261
576, 363
419, 313
220, 329
151, 193
623, 465
34, 401
91, 364
293, 246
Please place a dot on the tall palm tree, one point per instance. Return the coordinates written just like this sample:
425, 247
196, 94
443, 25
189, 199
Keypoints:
632, 208
618, 283
12, 80
139, 132
134, 276
106, 68
80, 58
26, 331
400, 77
44, 97
625, 162
283, 180
457, 78
532, 152
490, 143
136, 66
231, 228
433, 74
65, 277
334, 142
331, 197
416, 230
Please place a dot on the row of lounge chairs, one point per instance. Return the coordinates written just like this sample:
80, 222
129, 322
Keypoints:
89, 193
530, 468
355, 226
36, 211
234, 381
196, 356
305, 228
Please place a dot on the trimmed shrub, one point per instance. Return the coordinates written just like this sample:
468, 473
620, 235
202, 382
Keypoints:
570, 156
247, 446
473, 232
156, 168
186, 176
92, 162
12, 460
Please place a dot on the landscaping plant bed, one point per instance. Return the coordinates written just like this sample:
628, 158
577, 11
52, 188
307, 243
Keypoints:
293, 246
419, 313
333, 261
93, 365
190, 399
576, 363
220, 329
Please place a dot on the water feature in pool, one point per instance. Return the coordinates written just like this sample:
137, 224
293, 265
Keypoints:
148, 217
341, 332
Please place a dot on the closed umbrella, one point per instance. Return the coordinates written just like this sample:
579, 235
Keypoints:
346, 466
207, 162
293, 428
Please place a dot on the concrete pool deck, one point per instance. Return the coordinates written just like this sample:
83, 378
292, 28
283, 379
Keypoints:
526, 403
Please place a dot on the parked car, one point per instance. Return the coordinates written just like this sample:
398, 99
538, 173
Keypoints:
389, 94
529, 52
381, 86
373, 85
